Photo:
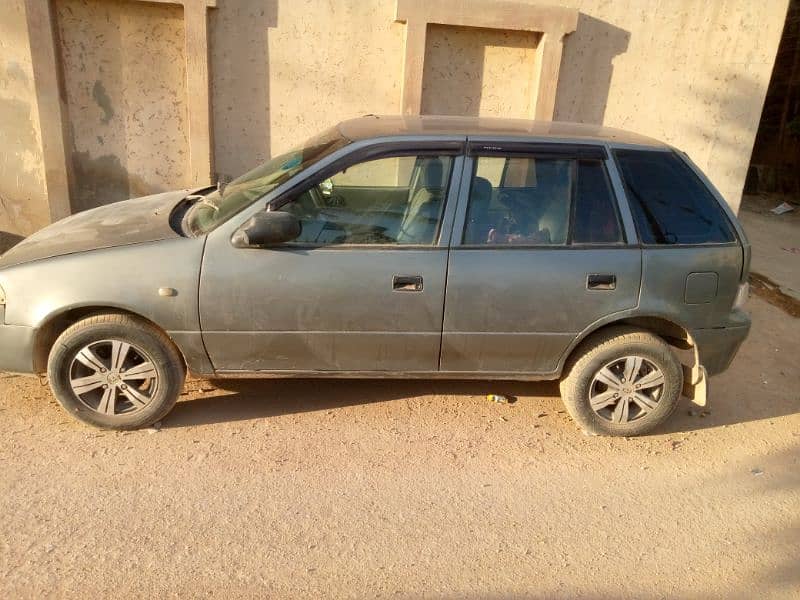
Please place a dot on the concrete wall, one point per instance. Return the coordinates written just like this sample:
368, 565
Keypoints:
282, 71
470, 70
23, 189
691, 73
124, 72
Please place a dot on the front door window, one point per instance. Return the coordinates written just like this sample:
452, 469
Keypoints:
387, 201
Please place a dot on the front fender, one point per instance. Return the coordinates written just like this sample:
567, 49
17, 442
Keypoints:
125, 277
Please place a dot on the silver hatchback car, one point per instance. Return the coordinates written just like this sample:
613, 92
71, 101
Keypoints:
428, 247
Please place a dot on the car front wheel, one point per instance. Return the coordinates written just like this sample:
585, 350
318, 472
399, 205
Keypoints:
622, 382
115, 371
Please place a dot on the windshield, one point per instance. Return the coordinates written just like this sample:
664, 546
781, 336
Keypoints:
220, 205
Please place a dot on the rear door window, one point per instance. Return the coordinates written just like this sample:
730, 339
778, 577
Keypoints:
519, 201
670, 203
540, 201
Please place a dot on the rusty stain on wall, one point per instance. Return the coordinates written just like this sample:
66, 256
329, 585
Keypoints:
125, 80
104, 102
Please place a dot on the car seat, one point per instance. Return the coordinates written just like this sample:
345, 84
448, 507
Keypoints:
553, 196
479, 222
422, 214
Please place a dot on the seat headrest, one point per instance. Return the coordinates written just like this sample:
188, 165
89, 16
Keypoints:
481, 189
432, 173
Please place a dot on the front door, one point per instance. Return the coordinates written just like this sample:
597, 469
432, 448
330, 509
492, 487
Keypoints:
361, 289
538, 255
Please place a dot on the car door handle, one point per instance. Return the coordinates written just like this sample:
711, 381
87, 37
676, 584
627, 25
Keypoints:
407, 283
601, 281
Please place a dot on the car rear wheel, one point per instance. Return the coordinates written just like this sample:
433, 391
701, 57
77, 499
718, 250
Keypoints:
622, 382
115, 371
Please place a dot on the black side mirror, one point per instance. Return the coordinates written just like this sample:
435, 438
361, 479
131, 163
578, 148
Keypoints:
266, 229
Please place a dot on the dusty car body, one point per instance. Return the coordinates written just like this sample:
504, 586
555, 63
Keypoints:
440, 272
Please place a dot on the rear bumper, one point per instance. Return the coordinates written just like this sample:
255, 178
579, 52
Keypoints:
16, 348
717, 347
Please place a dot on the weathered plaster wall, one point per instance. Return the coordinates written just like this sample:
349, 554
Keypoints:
691, 73
283, 71
468, 71
331, 61
23, 188
124, 72
240, 83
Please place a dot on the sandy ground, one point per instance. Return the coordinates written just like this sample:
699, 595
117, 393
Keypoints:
409, 489
775, 240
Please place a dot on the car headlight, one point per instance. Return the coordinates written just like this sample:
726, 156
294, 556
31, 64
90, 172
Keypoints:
742, 295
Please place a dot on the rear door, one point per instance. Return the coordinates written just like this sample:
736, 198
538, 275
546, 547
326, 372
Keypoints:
538, 254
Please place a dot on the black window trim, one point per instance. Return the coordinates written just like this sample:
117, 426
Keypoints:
573, 192
614, 203
542, 149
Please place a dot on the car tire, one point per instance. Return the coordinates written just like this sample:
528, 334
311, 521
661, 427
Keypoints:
116, 371
638, 366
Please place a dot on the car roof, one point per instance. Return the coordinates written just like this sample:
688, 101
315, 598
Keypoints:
375, 126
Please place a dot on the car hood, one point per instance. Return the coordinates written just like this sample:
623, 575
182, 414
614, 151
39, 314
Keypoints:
123, 223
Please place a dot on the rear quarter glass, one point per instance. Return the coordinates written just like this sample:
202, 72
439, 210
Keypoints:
670, 204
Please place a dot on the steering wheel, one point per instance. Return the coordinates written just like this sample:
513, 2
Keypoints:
321, 201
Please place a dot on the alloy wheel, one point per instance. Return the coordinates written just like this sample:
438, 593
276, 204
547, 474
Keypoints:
626, 389
113, 377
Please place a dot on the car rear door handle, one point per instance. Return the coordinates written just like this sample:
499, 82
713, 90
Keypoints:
407, 283
601, 281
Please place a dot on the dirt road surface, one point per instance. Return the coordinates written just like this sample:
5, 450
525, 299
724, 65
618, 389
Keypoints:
409, 489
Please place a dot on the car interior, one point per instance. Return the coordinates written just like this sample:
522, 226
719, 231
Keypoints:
528, 204
399, 205
513, 201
